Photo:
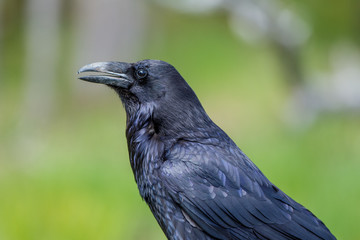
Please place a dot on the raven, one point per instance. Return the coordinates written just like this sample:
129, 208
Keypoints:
196, 181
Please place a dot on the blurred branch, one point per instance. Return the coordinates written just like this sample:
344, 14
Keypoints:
255, 20
335, 91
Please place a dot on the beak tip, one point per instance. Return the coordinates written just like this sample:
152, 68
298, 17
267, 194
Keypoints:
84, 69
94, 67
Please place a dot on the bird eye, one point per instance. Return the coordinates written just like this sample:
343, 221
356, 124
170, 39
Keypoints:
141, 73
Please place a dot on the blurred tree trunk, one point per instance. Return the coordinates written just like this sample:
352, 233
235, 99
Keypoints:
356, 14
41, 43
1, 43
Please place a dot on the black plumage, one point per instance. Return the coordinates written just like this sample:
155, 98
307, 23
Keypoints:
196, 181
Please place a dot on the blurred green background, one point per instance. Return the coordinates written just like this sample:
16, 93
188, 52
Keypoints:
281, 78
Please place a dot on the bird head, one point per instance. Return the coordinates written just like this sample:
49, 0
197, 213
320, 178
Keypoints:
152, 83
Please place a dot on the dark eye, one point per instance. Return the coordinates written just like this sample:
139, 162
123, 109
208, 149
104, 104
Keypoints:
141, 73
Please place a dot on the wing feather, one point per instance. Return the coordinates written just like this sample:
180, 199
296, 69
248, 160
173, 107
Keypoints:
229, 198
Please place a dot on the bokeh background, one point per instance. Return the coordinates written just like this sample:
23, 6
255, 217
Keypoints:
282, 78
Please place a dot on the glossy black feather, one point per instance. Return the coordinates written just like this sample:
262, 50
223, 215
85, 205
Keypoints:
196, 181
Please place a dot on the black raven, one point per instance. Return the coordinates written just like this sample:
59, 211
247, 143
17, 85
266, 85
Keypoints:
196, 181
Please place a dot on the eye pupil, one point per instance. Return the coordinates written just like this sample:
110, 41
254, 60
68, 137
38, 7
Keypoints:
141, 73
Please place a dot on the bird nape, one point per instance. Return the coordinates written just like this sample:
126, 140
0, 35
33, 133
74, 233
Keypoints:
196, 181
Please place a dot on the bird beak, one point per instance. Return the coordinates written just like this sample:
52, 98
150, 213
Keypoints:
115, 73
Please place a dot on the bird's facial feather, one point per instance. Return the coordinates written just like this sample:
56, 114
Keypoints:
149, 85
151, 82
147, 80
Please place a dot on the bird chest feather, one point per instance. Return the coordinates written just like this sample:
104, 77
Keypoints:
146, 153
